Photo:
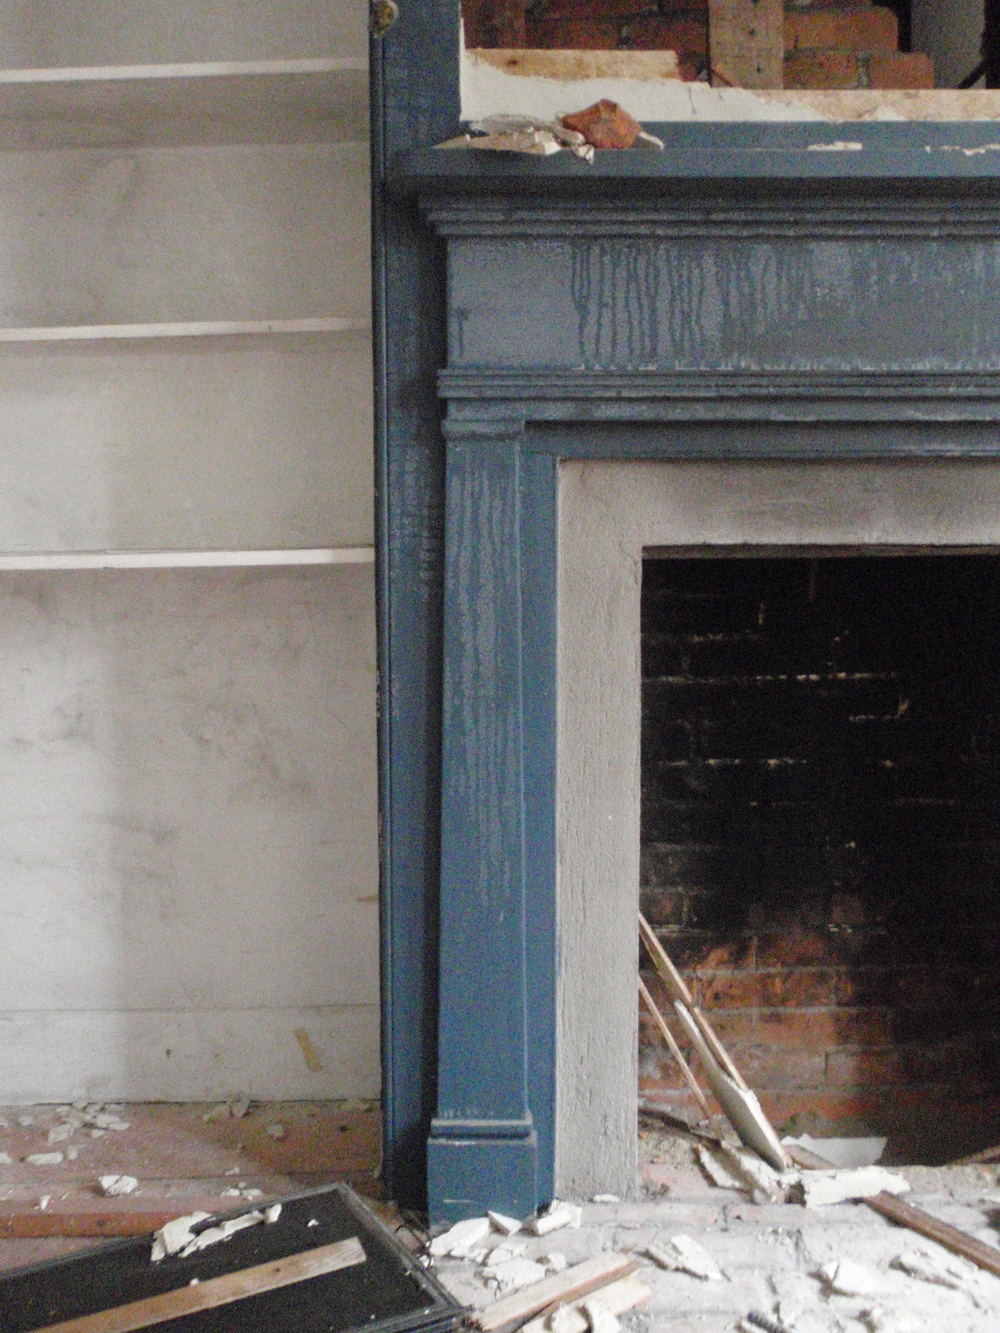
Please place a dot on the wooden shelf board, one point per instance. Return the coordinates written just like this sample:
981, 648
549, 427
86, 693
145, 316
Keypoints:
220, 328
15, 561
267, 101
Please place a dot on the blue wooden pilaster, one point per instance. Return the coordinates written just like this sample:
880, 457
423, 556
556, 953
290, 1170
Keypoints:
482, 1151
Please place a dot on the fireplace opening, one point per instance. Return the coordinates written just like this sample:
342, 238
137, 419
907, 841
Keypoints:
820, 831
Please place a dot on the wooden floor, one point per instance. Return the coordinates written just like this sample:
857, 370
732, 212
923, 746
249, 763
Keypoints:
185, 1157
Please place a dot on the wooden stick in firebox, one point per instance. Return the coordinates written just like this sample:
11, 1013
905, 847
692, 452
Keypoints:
675, 1050
677, 990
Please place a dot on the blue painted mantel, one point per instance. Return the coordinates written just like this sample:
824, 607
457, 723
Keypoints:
754, 292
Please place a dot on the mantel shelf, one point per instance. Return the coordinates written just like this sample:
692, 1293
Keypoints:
13, 561
220, 328
314, 100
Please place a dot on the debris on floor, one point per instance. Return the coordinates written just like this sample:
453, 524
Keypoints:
316, 1252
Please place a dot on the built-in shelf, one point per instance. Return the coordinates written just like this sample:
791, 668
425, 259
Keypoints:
219, 328
315, 555
159, 105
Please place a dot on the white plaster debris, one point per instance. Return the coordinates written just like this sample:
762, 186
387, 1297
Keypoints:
718, 1171
599, 1317
838, 146
224, 1231
505, 1225
845, 1154
72, 1153
513, 1274
277, 1131
60, 1133
508, 1250
272, 1213
114, 1187
564, 1319
45, 1158
6, 1159
44, 1202
463, 1236
173, 1236
825, 1187
687, 1256
556, 1216
848, 1278
25, 1120
555, 1262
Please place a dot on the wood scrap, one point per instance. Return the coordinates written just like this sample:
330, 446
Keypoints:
741, 1106
959, 1242
675, 1050
617, 1297
216, 1291
37, 1225
679, 993
746, 42
563, 1288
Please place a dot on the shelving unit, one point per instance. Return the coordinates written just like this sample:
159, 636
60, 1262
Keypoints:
186, 591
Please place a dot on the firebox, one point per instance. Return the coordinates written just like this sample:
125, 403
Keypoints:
821, 834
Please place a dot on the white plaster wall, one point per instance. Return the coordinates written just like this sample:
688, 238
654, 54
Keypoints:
188, 850
608, 513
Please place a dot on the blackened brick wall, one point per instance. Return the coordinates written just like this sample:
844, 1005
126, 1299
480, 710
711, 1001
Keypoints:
821, 832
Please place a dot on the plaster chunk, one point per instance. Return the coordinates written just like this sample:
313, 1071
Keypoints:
825, 1187
682, 1254
513, 1274
174, 1235
505, 1225
557, 1216
116, 1186
462, 1236
599, 1317
848, 1278
44, 1159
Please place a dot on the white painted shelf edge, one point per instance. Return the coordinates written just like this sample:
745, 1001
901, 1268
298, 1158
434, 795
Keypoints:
217, 328
218, 69
316, 555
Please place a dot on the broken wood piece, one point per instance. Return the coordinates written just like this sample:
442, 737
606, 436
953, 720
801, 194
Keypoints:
216, 1291
575, 1282
678, 991
741, 1106
746, 43
618, 1297
675, 1050
959, 1242
39, 1226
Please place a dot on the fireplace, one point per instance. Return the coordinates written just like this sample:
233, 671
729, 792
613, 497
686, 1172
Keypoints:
762, 345
819, 834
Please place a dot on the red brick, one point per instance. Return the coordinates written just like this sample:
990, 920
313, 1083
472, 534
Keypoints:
588, 10
730, 990
802, 987
765, 1067
865, 985
822, 69
823, 1029
664, 907
493, 23
585, 35
900, 69
688, 35
793, 948
874, 29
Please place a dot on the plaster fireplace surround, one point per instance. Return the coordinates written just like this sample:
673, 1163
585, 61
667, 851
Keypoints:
761, 343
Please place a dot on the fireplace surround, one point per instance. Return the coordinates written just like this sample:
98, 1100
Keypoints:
765, 339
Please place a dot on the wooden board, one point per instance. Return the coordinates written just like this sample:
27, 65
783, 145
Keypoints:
35, 1225
209, 1295
985, 1256
575, 1282
746, 43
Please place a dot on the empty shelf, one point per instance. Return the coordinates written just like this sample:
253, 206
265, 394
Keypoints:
219, 328
317, 555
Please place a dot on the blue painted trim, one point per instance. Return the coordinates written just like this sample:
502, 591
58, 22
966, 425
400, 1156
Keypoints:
414, 83
467, 1177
